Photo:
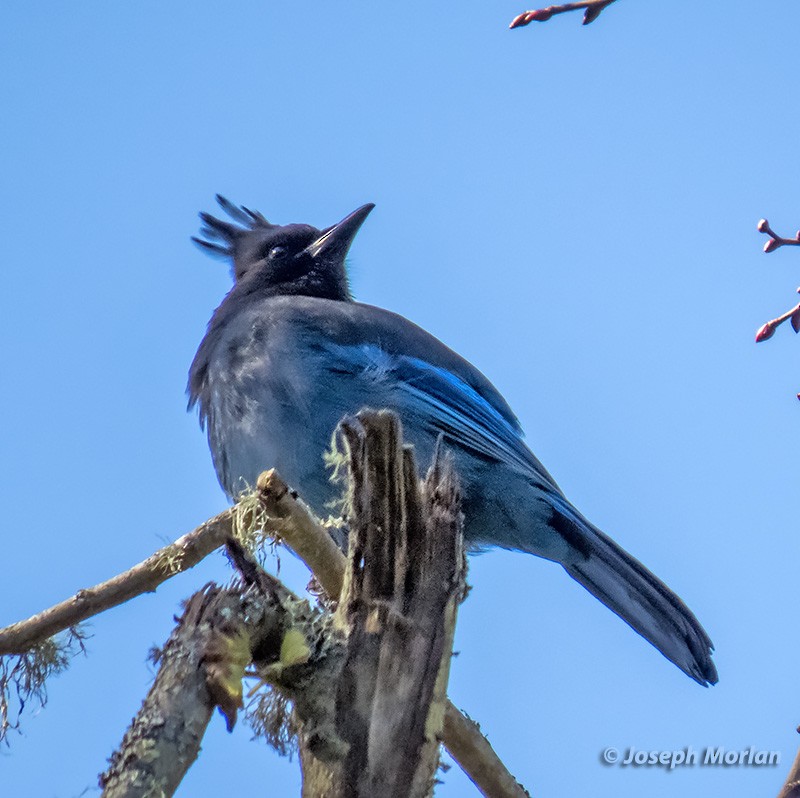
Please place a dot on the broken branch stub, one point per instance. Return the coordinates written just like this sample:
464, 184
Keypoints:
404, 579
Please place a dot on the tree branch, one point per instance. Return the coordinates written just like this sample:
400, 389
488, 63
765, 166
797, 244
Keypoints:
202, 665
592, 10
776, 241
164, 738
276, 514
476, 757
288, 518
766, 331
298, 529
145, 577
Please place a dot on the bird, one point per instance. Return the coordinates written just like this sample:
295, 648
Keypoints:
289, 352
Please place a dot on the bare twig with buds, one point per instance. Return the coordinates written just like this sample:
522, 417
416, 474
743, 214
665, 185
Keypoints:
592, 9
793, 314
768, 330
775, 240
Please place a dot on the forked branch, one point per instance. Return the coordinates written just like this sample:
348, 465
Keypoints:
289, 520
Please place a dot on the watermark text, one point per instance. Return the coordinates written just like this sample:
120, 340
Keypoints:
711, 756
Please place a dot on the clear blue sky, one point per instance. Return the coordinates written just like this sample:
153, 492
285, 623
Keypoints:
573, 209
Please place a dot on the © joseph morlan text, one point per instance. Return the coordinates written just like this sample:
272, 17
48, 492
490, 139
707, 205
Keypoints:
711, 756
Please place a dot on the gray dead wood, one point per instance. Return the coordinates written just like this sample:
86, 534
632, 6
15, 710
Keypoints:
404, 579
201, 667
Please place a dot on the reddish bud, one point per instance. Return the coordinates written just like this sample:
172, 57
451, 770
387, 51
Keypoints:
763, 226
795, 319
764, 332
540, 15
772, 245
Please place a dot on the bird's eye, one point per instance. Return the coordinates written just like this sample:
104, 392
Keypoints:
277, 252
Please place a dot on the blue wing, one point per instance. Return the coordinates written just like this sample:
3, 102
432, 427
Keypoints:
438, 401
435, 399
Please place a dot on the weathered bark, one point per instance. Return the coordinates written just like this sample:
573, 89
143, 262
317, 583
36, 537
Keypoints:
201, 666
293, 646
164, 738
404, 578
297, 528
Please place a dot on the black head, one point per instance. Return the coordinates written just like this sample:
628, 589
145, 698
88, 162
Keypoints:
282, 259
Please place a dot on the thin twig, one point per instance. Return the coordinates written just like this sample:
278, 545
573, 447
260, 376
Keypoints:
145, 577
301, 532
776, 241
766, 331
592, 10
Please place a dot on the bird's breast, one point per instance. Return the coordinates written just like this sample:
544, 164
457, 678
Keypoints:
273, 401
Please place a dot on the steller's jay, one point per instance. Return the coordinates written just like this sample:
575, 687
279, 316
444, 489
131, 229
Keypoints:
288, 353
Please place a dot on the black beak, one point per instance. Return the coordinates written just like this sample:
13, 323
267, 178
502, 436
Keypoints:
335, 241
